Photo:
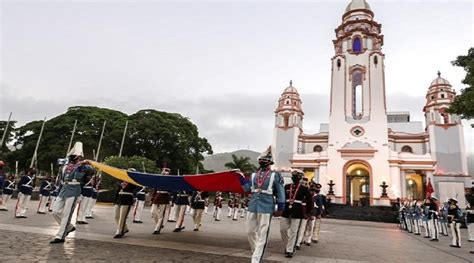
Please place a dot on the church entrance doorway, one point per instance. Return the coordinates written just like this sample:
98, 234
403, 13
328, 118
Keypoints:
358, 185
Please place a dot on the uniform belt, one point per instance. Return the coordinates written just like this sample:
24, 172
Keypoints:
88, 187
182, 195
200, 201
125, 193
72, 183
296, 202
162, 192
27, 185
258, 190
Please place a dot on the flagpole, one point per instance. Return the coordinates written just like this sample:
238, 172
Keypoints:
5, 131
72, 137
123, 138
35, 154
100, 142
143, 165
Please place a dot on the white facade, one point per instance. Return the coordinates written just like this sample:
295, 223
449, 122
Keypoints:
364, 146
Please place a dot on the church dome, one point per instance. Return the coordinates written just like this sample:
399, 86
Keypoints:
440, 81
290, 89
357, 4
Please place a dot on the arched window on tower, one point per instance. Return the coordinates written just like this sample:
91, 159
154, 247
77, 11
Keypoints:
407, 149
338, 63
357, 45
286, 121
357, 94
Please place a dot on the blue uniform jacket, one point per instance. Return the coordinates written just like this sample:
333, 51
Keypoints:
26, 184
72, 177
264, 202
45, 188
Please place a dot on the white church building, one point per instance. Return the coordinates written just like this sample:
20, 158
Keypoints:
363, 146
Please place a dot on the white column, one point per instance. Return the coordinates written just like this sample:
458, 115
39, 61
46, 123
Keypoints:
395, 183
403, 184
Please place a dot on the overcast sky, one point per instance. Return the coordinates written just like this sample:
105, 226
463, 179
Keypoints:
223, 64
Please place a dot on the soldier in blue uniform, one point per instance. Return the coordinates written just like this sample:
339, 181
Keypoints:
160, 202
84, 200
45, 191
25, 188
8, 188
139, 204
95, 191
454, 219
264, 184
433, 218
297, 208
182, 200
54, 194
72, 177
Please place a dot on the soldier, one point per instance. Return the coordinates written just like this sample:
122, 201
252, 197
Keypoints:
45, 192
443, 218
139, 204
206, 205
426, 215
160, 203
73, 175
85, 200
454, 219
230, 205
182, 200
401, 216
263, 185
297, 207
198, 204
433, 218
304, 183
236, 209
218, 206
470, 215
172, 214
311, 234
25, 187
244, 206
123, 202
53, 195
416, 216
8, 188
95, 191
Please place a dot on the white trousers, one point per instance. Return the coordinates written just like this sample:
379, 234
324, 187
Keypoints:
137, 210
427, 228
5, 200
312, 230
289, 230
470, 232
302, 228
433, 225
217, 212
22, 204
121, 213
181, 210
235, 213
43, 200
416, 226
62, 212
52, 199
197, 215
206, 209
456, 233
172, 215
258, 228
90, 206
230, 212
158, 215
82, 208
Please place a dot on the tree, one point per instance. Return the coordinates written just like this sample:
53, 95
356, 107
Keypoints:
167, 138
135, 162
9, 136
463, 104
241, 163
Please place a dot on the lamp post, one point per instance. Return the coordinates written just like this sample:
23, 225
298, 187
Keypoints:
384, 189
331, 185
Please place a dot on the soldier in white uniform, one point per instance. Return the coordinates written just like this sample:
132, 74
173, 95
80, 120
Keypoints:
8, 188
25, 188
71, 178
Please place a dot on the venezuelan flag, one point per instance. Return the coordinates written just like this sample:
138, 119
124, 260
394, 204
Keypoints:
212, 182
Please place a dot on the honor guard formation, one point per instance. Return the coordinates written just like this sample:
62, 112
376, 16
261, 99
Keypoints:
299, 206
439, 219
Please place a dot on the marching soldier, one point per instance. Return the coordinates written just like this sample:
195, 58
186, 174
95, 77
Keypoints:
426, 216
93, 200
416, 217
443, 218
45, 192
182, 200
198, 204
25, 187
433, 218
297, 207
236, 205
123, 202
206, 205
311, 234
53, 196
73, 175
218, 206
160, 203
8, 188
470, 215
85, 200
172, 214
139, 204
230, 205
244, 206
263, 185
454, 219
304, 183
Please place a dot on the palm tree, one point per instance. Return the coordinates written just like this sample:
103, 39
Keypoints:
241, 163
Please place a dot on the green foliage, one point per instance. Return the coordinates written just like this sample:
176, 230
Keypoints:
9, 136
241, 163
463, 104
165, 138
136, 162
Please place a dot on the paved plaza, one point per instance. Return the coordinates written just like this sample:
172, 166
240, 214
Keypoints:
224, 241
